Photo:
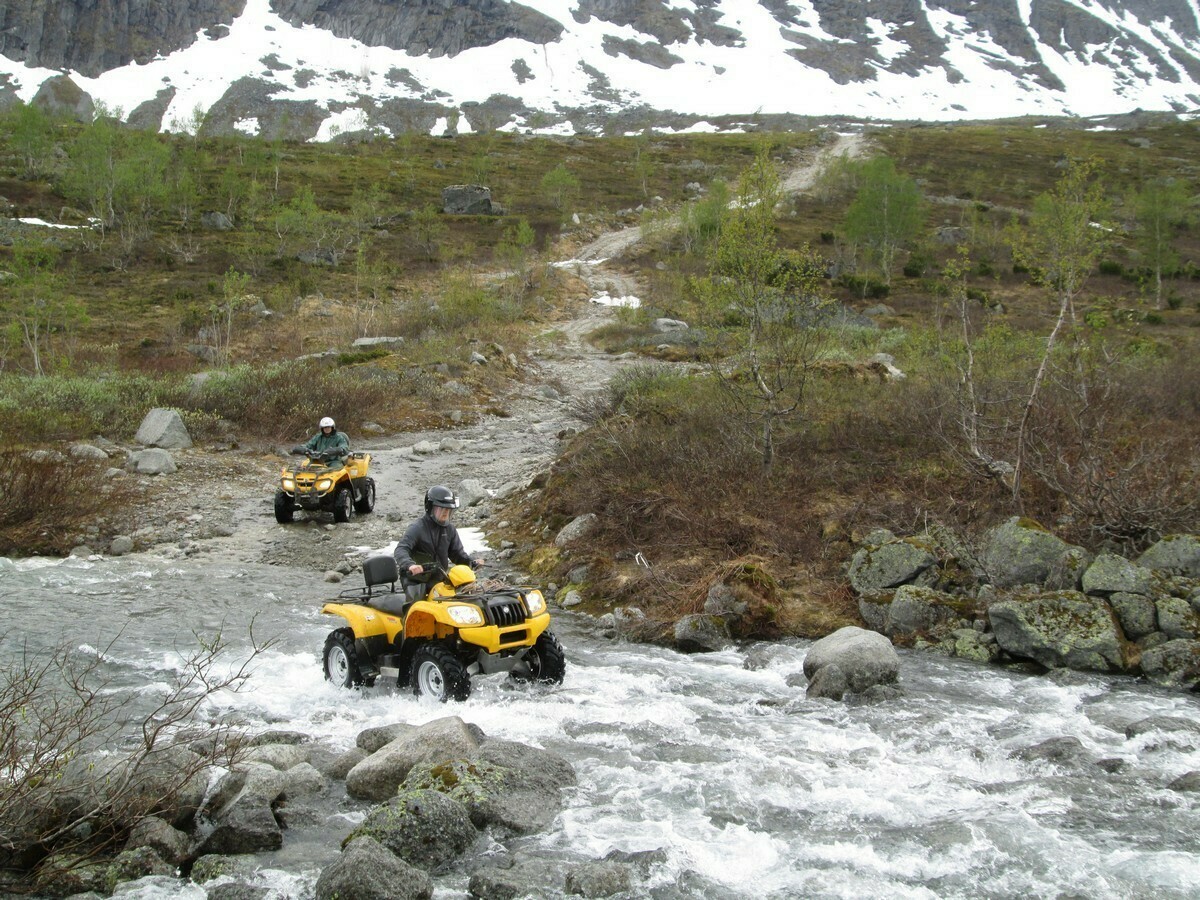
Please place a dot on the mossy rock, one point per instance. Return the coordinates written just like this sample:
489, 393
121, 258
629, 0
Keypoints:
1022, 551
1062, 629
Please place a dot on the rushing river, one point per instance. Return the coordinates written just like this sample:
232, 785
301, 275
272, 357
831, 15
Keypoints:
750, 789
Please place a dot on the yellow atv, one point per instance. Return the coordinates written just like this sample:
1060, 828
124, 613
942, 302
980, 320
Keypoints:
323, 483
433, 637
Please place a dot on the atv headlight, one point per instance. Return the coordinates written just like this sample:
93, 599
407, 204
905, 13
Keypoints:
465, 615
289, 485
324, 484
535, 602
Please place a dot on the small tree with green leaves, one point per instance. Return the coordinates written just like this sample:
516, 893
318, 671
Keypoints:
36, 311
1160, 207
560, 187
772, 305
514, 250
886, 213
31, 133
224, 315
1061, 244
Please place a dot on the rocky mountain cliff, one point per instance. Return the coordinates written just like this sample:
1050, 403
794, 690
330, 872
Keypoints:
337, 66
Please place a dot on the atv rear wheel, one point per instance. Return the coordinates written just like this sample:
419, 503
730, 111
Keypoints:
343, 505
285, 508
366, 503
546, 661
341, 661
437, 673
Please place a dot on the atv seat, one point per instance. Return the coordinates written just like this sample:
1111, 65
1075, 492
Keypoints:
380, 570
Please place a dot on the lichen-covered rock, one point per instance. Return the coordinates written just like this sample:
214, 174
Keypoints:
865, 658
873, 607
1177, 618
378, 776
507, 785
1178, 554
599, 878
978, 646
424, 828
1136, 614
1111, 574
368, 871
1066, 573
1061, 629
1022, 552
921, 610
877, 567
1173, 664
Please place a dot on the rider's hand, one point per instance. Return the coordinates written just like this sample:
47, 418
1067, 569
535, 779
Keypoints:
415, 569
476, 563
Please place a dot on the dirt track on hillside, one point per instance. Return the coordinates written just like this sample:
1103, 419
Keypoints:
223, 501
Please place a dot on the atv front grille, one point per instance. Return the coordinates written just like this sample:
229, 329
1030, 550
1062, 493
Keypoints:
505, 611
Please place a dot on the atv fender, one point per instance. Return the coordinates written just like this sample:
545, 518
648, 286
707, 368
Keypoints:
427, 619
366, 621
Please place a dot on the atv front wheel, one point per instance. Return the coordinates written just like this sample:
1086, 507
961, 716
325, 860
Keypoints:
341, 662
437, 673
343, 505
285, 508
366, 502
546, 661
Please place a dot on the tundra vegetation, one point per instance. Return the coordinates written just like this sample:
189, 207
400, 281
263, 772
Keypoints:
1037, 286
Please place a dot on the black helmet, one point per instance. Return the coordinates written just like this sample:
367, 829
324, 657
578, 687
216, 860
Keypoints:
440, 495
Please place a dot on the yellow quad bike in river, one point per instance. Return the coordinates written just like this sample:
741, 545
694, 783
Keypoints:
323, 483
433, 637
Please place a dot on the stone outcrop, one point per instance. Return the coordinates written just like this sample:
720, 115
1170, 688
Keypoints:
163, 428
1032, 596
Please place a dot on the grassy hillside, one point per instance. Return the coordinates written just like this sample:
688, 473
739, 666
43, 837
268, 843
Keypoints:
144, 308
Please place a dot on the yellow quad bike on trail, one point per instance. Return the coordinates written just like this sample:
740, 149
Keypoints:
434, 636
324, 483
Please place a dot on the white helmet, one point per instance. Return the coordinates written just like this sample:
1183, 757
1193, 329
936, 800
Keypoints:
327, 423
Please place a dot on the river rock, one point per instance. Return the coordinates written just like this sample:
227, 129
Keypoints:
372, 739
1060, 629
864, 658
120, 545
921, 610
1187, 783
599, 878
700, 633
237, 890
506, 785
168, 842
1178, 554
163, 428
978, 646
876, 567
1136, 613
367, 870
424, 828
1021, 552
1066, 573
1067, 749
722, 601
1110, 574
1177, 618
1174, 664
471, 492
378, 776
512, 877
130, 865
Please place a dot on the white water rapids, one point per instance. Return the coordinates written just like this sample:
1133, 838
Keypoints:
749, 789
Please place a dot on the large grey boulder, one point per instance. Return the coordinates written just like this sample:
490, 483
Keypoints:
163, 428
1178, 554
467, 199
60, 96
1022, 552
513, 877
372, 739
424, 828
599, 878
511, 787
378, 776
864, 658
878, 567
1173, 664
159, 835
1063, 629
366, 870
1111, 574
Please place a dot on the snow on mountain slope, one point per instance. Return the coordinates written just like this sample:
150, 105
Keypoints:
620, 65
